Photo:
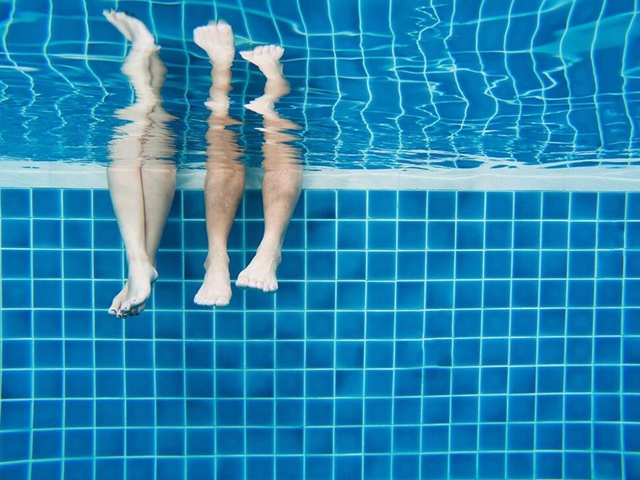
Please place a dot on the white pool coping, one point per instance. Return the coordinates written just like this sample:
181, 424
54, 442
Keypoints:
31, 174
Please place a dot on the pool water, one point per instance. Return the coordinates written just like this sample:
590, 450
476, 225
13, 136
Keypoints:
459, 288
449, 84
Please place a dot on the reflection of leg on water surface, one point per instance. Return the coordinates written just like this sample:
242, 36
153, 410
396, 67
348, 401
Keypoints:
225, 178
141, 178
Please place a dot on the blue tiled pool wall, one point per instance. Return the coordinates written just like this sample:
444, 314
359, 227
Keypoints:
456, 83
415, 335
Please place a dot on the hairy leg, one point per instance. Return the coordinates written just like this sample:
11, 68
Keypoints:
282, 180
224, 181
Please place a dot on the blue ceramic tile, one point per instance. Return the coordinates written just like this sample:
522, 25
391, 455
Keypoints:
381, 235
411, 265
140, 467
410, 295
633, 206
608, 321
78, 443
377, 440
76, 203
77, 234
350, 295
496, 294
140, 442
320, 295
524, 293
47, 203
193, 204
172, 235
527, 205
525, 264
16, 203
319, 413
47, 414
17, 233
381, 265
435, 438
468, 294
470, 235
23, 323
611, 206
289, 467
470, 205
382, 204
102, 206
491, 465
348, 466
441, 235
435, 466
109, 442
16, 416
16, 294
352, 204
321, 265
499, 205
51, 469
412, 204
15, 446
107, 264
77, 264
583, 206
555, 234
106, 234
555, 205
320, 204
441, 205
321, 234
440, 265
351, 235
79, 413
609, 293
465, 408
498, 235
256, 466
411, 235
526, 235
610, 235
17, 264
380, 296
438, 325
48, 384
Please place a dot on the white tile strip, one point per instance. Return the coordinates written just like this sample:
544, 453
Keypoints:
28, 174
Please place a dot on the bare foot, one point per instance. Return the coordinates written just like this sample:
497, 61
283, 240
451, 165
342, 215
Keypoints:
216, 288
117, 304
133, 29
217, 40
267, 59
261, 272
132, 299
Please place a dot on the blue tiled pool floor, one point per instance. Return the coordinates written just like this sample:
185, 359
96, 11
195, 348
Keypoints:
415, 335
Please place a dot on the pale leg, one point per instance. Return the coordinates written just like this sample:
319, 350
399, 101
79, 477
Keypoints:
225, 177
282, 180
141, 182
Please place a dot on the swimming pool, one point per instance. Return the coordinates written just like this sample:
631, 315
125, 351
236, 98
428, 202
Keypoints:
459, 287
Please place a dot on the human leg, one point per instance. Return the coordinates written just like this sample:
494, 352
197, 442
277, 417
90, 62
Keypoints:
141, 179
225, 176
282, 180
